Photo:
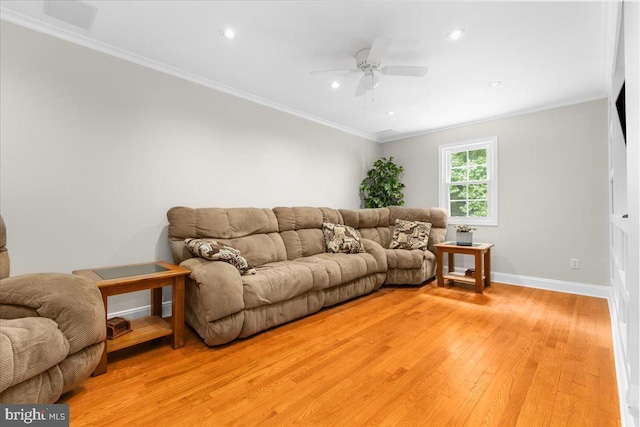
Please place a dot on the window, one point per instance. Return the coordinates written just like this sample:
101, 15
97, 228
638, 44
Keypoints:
469, 181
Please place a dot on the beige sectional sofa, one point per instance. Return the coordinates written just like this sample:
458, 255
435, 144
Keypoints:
295, 276
405, 267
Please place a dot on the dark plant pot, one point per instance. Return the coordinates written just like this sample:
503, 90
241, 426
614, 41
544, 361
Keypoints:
464, 238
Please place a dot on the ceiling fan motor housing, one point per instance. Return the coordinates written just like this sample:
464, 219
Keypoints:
362, 63
368, 62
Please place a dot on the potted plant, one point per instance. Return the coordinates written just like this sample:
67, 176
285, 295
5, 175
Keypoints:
382, 186
464, 235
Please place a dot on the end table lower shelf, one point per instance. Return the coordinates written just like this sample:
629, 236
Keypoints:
460, 277
142, 330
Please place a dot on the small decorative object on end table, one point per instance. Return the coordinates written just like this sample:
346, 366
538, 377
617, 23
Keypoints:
139, 277
464, 235
481, 273
117, 326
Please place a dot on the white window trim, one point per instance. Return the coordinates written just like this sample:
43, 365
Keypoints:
491, 143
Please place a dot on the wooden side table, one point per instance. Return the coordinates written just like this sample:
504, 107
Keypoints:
139, 277
481, 277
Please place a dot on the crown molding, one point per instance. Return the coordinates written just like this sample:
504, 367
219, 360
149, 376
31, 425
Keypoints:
544, 107
72, 37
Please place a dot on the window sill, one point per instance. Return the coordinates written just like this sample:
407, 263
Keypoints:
490, 222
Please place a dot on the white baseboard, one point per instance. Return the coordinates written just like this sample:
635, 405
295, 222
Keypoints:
138, 312
552, 285
548, 284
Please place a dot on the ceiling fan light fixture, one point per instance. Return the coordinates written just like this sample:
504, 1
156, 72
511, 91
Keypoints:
369, 81
229, 34
455, 35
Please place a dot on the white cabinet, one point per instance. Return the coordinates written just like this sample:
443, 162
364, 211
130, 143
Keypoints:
624, 206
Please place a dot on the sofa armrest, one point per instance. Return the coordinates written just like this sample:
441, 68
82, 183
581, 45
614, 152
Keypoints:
73, 302
219, 288
378, 253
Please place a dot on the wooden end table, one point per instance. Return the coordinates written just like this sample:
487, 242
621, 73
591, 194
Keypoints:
138, 277
481, 277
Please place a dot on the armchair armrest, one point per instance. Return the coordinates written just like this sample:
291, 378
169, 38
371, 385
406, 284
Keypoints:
378, 253
73, 302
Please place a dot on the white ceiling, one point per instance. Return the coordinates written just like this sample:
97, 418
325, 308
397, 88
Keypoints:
545, 53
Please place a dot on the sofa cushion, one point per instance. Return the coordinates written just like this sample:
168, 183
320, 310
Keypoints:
223, 223
366, 218
301, 229
252, 231
298, 218
405, 258
305, 242
29, 346
276, 282
283, 280
410, 235
212, 250
340, 268
259, 249
341, 239
372, 223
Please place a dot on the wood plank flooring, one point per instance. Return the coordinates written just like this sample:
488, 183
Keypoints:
427, 356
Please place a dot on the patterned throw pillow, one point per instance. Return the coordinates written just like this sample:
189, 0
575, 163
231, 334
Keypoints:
214, 251
410, 235
341, 239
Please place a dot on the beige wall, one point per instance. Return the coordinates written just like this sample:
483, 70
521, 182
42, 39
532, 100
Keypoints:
552, 189
94, 151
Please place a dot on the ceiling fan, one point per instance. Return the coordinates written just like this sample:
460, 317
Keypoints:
368, 62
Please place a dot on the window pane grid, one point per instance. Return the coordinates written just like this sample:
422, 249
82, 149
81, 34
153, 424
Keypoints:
468, 188
484, 181
463, 167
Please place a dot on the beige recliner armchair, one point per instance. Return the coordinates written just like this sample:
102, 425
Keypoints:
52, 331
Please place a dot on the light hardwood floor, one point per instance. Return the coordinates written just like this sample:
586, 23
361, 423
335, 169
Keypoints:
426, 356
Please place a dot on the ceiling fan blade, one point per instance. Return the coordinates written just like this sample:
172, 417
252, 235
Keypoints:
334, 72
361, 89
378, 49
404, 70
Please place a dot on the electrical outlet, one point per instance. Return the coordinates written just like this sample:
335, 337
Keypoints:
575, 263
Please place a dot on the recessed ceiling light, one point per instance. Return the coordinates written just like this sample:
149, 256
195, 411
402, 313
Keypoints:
391, 113
229, 33
335, 85
495, 83
455, 35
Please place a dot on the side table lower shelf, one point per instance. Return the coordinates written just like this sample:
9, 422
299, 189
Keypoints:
142, 330
460, 277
